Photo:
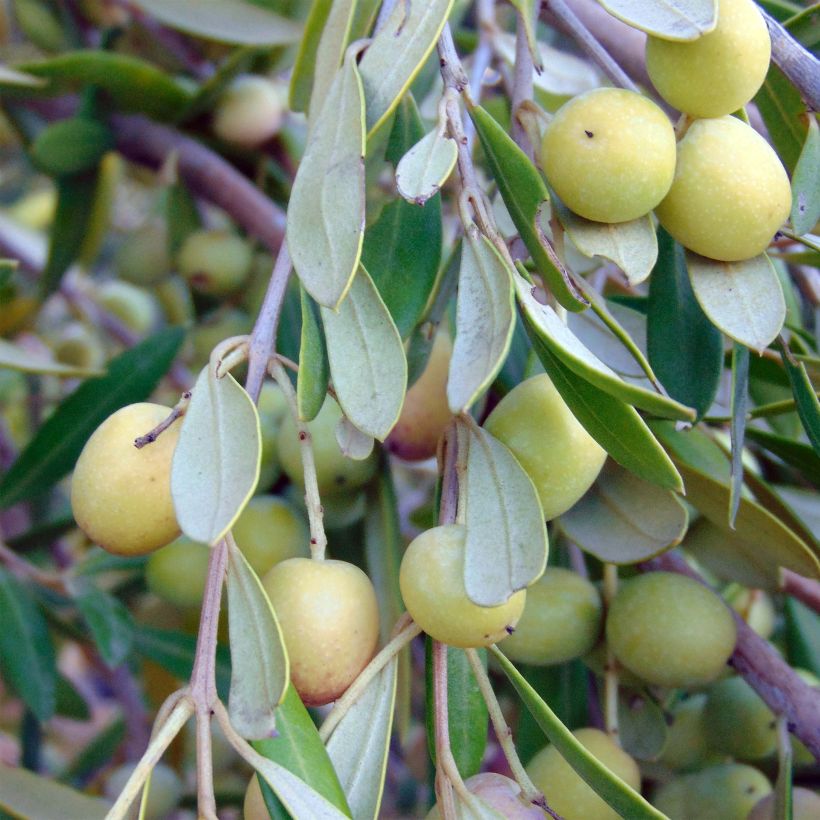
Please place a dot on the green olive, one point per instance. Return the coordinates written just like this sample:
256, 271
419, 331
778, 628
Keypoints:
215, 262
686, 746
177, 573
142, 258
249, 112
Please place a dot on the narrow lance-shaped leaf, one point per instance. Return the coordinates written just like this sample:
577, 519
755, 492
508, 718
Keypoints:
304, 70
529, 9
673, 20
524, 192
808, 406
740, 404
25, 794
367, 360
743, 299
132, 376
216, 462
314, 370
506, 541
624, 520
397, 53
27, 660
326, 210
800, 456
805, 190
330, 52
260, 670
485, 320
426, 166
359, 745
622, 797
109, 621
14, 357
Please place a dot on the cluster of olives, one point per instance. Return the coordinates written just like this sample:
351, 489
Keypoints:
722, 192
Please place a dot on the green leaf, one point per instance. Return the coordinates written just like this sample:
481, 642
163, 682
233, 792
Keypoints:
397, 53
672, 20
743, 299
685, 349
14, 357
632, 246
797, 455
75, 204
226, 21
132, 377
301, 79
485, 320
326, 210
298, 747
359, 745
806, 401
642, 727
27, 658
259, 662
566, 347
616, 426
740, 404
506, 543
367, 361
802, 25
466, 711
402, 249
783, 111
109, 622
524, 192
96, 754
216, 462
32, 797
131, 84
331, 52
624, 520
314, 369
622, 797
805, 190
426, 166
529, 9
802, 636
69, 702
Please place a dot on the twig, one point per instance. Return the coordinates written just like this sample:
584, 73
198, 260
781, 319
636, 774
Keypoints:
780, 687
799, 65
522, 86
805, 590
176, 412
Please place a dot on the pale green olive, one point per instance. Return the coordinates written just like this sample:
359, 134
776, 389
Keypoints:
686, 747
249, 111
163, 796
177, 573
215, 262
738, 722
142, 257
135, 307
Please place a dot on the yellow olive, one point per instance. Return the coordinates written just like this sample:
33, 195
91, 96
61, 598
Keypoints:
249, 111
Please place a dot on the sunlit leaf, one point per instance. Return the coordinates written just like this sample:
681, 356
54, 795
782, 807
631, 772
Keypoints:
109, 621
326, 208
805, 190
624, 520
670, 20
743, 299
352, 441
425, 167
331, 52
301, 78
29, 796
314, 370
485, 320
15, 357
367, 361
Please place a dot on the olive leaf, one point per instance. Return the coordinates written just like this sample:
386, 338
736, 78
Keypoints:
314, 369
672, 20
642, 727
330, 52
14, 357
25, 794
426, 166
109, 622
353, 442
217, 458
805, 190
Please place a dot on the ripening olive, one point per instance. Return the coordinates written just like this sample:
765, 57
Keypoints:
500, 793
330, 622
121, 496
566, 791
670, 630
561, 620
249, 111
609, 154
552, 446
142, 257
163, 796
77, 344
686, 747
431, 578
755, 607
719, 72
215, 262
217, 326
805, 806
135, 307
730, 193
177, 573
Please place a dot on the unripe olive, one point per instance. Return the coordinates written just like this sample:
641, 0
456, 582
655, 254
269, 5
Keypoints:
720, 71
164, 795
805, 806
335, 472
121, 496
177, 573
738, 722
431, 578
269, 530
566, 791
77, 344
730, 193
176, 301
670, 630
609, 154
135, 307
71, 146
561, 620
686, 747
249, 112
724, 792
142, 257
552, 446
217, 326
596, 661
330, 622
425, 412
215, 262
500, 793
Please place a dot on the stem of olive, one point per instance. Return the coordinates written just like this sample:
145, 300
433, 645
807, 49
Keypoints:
611, 663
178, 411
782, 801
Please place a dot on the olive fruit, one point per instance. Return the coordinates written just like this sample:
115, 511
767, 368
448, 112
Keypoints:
670, 630
268, 531
686, 747
177, 573
163, 796
720, 71
215, 262
249, 111
134, 306
431, 578
142, 257
272, 408
425, 412
77, 344
609, 154
730, 193
552, 446
566, 791
217, 326
335, 472
738, 722
561, 621
500, 793
121, 496
755, 607
330, 622
805, 806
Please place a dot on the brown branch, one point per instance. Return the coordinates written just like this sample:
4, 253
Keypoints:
799, 65
805, 590
782, 689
